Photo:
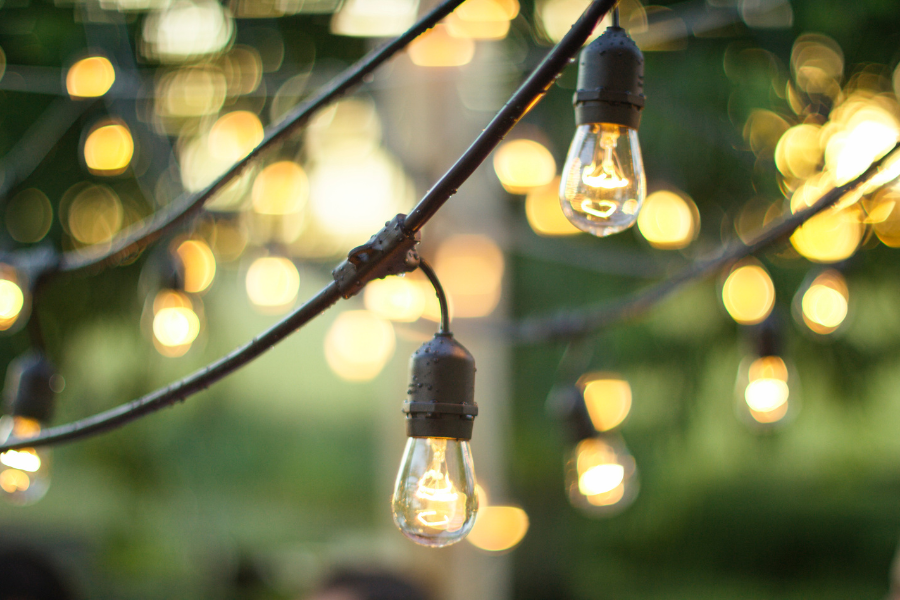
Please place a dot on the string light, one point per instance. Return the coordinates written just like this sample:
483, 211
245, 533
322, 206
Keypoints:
12, 297
90, 77
824, 302
108, 149
748, 293
601, 476
603, 183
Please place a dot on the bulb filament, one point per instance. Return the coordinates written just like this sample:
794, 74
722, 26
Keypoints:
605, 172
439, 497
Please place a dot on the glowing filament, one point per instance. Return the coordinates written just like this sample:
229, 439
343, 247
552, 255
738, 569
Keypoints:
601, 479
604, 210
605, 172
440, 500
24, 460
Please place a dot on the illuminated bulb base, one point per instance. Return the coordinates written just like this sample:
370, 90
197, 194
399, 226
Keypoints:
434, 501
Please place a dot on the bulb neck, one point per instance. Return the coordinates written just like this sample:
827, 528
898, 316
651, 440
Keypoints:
610, 81
441, 391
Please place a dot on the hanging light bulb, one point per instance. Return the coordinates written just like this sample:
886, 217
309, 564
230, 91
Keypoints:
29, 391
601, 476
434, 502
603, 183
766, 391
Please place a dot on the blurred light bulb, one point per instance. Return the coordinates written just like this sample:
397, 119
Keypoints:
90, 77
825, 303
762, 395
25, 472
601, 476
603, 183
12, 298
176, 323
434, 500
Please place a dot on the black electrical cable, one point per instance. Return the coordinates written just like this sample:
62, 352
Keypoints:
439, 292
144, 233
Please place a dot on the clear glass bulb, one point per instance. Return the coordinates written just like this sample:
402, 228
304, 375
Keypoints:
25, 472
766, 392
603, 183
434, 500
601, 476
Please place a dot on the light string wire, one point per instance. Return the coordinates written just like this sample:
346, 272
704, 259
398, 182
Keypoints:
586, 321
142, 234
429, 272
528, 94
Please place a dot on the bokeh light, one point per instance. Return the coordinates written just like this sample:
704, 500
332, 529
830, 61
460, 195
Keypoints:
395, 298
358, 345
668, 221
194, 91
108, 149
29, 216
470, 268
364, 18
273, 283
824, 304
199, 265
748, 294
767, 391
90, 77
94, 215
438, 48
498, 528
607, 398
522, 165
281, 188
175, 324
601, 477
187, 30
544, 213
12, 297
234, 135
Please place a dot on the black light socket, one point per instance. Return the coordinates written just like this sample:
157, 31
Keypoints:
610, 81
441, 390
28, 391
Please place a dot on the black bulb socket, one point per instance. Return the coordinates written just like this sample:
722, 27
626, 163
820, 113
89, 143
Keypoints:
441, 391
610, 81
28, 391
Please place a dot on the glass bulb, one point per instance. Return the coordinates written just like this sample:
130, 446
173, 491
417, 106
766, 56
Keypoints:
766, 392
601, 476
434, 500
24, 472
603, 183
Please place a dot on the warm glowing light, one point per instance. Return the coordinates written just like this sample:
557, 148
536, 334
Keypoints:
11, 302
358, 345
522, 165
471, 270
544, 212
830, 236
199, 265
348, 131
482, 19
176, 326
608, 399
191, 92
438, 48
824, 304
556, 17
13, 480
234, 135
95, 215
186, 30
798, 153
272, 283
108, 149
90, 77
598, 467
866, 135
395, 298
767, 390
25, 459
498, 528
476, 30
668, 220
363, 18
281, 188
749, 294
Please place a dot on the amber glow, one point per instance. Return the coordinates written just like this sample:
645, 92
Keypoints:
272, 284
830, 236
24, 459
281, 188
470, 268
191, 92
522, 165
544, 214
498, 528
13, 480
748, 294
601, 476
767, 390
108, 149
608, 399
824, 304
95, 215
199, 265
234, 135
11, 300
90, 77
482, 19
358, 345
395, 298
437, 48
668, 221
175, 323
363, 18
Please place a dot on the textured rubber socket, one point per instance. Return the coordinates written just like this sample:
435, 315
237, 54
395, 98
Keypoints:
610, 81
27, 392
441, 390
